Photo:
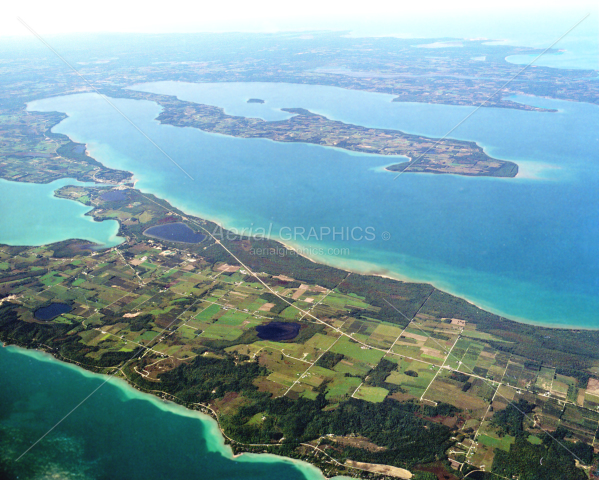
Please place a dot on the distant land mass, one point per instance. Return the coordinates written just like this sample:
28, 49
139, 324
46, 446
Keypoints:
255, 100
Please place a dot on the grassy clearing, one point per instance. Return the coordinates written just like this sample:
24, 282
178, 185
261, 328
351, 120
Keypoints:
208, 313
419, 375
504, 443
535, 440
51, 278
371, 394
342, 386
221, 332
233, 318
356, 351
290, 313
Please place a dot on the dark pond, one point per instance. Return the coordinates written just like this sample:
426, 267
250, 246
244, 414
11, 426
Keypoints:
175, 232
51, 311
278, 331
114, 196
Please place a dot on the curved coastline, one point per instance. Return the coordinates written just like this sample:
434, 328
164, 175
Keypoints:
49, 213
218, 442
447, 245
364, 267
370, 269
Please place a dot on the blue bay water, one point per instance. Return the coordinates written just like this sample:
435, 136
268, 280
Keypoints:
525, 247
118, 433
32, 215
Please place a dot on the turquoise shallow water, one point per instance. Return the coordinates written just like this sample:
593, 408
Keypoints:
32, 215
119, 433
525, 247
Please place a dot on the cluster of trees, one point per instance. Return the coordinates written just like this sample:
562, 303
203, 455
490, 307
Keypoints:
62, 337
273, 258
400, 427
26, 333
408, 438
208, 378
280, 305
308, 331
329, 360
554, 458
26, 276
510, 421
381, 292
378, 375
569, 350
140, 322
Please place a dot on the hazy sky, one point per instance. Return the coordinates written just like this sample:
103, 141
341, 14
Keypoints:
67, 16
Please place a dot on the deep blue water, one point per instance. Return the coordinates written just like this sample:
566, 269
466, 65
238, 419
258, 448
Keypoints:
526, 247
175, 232
278, 331
51, 311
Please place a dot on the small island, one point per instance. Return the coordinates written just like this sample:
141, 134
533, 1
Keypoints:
255, 100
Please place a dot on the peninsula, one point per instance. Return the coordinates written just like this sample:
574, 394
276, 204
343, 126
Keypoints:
427, 155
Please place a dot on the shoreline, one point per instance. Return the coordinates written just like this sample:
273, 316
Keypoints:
189, 210
44, 196
222, 222
437, 166
371, 269
132, 392
353, 296
402, 278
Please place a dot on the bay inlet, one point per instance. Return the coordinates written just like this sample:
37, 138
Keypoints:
32, 215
